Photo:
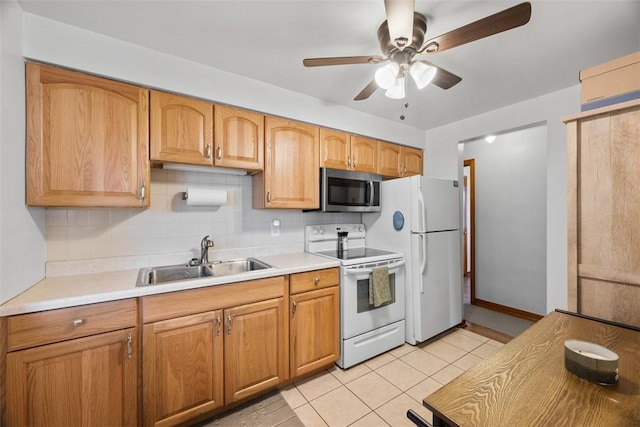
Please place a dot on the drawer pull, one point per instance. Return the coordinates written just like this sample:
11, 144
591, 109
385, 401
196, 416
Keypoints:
317, 281
78, 322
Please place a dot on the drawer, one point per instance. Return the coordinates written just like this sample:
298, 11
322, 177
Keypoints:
317, 279
45, 327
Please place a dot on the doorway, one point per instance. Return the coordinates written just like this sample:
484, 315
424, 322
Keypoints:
468, 231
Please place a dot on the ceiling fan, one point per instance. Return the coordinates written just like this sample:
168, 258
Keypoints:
402, 39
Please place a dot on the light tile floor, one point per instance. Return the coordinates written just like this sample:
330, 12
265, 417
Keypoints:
378, 392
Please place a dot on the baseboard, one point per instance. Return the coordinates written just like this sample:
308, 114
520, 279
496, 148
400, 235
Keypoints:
507, 310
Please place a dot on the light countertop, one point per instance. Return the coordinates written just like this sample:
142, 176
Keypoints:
67, 291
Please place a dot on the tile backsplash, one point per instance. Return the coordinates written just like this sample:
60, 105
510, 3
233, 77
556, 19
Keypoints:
168, 226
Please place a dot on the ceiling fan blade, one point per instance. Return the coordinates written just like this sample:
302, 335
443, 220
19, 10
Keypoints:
343, 60
443, 79
502, 21
367, 91
400, 21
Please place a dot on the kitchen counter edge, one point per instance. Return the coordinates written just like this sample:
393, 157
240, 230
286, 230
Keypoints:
69, 291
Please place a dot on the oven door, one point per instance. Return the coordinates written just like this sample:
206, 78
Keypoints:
358, 316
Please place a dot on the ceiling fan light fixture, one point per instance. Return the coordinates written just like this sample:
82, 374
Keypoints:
386, 76
422, 73
397, 90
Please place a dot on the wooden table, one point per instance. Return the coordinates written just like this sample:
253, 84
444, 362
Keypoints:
525, 383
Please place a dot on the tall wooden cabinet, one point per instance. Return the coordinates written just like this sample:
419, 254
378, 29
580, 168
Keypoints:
603, 198
87, 140
55, 378
291, 172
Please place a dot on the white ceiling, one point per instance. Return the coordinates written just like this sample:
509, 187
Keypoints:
267, 41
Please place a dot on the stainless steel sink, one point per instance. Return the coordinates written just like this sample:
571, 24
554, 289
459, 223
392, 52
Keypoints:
172, 273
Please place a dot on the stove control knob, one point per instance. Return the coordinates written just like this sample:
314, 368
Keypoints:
315, 230
322, 231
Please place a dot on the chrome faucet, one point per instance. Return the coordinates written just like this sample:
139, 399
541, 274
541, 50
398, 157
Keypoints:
205, 244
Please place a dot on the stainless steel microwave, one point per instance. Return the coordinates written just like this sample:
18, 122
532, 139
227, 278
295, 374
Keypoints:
349, 191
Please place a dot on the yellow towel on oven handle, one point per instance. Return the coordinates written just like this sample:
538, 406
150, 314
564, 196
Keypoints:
379, 288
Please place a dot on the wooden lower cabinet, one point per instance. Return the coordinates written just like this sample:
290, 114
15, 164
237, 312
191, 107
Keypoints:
182, 368
255, 348
315, 330
314, 320
89, 381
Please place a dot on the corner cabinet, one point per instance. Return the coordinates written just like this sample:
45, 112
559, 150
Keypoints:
315, 320
603, 197
87, 140
291, 172
73, 367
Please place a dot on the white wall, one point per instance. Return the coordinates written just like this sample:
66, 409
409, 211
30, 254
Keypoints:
442, 160
22, 248
51, 41
510, 218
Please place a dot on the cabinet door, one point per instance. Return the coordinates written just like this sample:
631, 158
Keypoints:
181, 129
255, 351
364, 154
87, 140
88, 381
239, 138
183, 368
411, 161
335, 149
389, 163
315, 330
291, 176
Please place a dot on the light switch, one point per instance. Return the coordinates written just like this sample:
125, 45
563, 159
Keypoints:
275, 228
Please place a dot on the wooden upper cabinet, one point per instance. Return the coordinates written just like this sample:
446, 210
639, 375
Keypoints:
335, 149
291, 172
389, 163
181, 129
411, 161
395, 161
239, 138
364, 154
87, 140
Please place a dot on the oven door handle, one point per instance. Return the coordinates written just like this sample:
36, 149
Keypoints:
356, 271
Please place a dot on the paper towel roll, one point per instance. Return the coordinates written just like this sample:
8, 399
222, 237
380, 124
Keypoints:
205, 197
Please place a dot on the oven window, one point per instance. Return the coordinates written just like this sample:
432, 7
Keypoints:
363, 294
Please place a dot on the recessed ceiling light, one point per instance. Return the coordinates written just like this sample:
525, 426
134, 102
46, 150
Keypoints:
490, 138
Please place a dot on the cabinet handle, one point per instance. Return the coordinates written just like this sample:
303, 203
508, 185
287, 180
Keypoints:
268, 196
207, 153
355, 164
143, 194
219, 153
348, 162
317, 281
217, 325
129, 346
293, 308
228, 324
78, 322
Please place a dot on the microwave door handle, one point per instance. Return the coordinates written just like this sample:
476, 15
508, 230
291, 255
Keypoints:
371, 193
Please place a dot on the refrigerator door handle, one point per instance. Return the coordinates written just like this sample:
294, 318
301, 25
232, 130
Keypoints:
423, 261
422, 212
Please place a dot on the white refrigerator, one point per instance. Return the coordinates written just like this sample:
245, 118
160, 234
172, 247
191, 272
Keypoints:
420, 218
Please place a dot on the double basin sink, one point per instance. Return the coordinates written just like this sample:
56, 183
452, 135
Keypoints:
172, 273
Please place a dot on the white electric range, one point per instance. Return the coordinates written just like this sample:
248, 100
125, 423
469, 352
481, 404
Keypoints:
365, 331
